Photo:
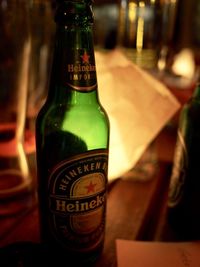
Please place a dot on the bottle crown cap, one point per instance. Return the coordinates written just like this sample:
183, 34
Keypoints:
73, 11
62, 1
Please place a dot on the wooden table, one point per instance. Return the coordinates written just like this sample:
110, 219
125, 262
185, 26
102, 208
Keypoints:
135, 207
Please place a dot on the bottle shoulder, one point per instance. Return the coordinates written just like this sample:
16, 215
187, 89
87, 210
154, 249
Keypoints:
50, 109
57, 114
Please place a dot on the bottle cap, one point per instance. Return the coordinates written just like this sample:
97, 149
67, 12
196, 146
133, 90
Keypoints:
67, 11
62, 1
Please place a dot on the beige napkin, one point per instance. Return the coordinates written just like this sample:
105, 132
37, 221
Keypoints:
157, 254
138, 107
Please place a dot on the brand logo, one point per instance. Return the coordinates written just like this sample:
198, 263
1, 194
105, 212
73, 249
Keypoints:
69, 206
85, 67
85, 57
81, 73
77, 200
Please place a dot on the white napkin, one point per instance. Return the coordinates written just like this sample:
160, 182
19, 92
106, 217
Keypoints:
138, 107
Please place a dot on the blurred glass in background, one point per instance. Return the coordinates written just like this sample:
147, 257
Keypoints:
42, 29
26, 30
144, 26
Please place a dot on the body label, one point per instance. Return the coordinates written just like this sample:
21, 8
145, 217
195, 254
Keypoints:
179, 171
80, 70
77, 200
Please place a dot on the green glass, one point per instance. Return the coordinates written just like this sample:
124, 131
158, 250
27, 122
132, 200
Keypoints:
184, 191
72, 141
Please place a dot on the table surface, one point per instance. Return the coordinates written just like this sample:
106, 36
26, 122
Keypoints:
136, 205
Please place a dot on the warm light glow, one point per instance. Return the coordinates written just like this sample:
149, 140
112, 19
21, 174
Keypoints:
132, 12
23, 161
140, 28
21, 108
170, 1
141, 4
184, 64
122, 159
132, 15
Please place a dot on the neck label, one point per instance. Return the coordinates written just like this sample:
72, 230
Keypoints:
80, 71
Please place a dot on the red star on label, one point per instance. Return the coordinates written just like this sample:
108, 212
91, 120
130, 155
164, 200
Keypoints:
90, 187
85, 57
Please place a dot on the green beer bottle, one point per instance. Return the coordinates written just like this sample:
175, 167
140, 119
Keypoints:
72, 141
184, 190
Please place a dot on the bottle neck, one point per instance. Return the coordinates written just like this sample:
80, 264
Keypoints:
74, 69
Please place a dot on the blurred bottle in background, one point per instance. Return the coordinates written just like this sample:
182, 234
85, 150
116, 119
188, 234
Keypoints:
184, 190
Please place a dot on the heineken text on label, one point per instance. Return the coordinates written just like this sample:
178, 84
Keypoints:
81, 71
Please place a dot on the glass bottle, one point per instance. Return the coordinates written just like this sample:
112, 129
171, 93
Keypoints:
72, 140
184, 190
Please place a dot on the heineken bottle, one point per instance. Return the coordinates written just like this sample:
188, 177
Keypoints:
184, 191
72, 141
